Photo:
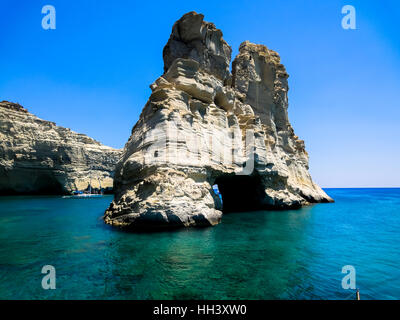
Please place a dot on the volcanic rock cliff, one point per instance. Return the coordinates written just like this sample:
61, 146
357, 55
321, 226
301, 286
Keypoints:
39, 157
203, 126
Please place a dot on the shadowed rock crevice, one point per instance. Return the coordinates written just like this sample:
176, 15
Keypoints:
200, 126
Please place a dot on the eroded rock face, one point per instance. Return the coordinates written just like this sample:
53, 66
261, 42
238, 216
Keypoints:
203, 126
39, 157
192, 38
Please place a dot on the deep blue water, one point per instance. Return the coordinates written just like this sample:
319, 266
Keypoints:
251, 255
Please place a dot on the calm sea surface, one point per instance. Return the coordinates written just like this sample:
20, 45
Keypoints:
250, 255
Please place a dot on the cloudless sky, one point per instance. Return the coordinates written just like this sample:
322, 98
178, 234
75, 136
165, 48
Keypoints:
92, 74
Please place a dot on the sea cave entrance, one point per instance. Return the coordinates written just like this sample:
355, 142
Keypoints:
46, 184
240, 193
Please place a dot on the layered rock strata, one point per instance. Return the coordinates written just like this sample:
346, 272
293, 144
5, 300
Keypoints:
203, 126
39, 157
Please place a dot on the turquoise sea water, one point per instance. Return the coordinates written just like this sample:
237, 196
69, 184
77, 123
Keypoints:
250, 255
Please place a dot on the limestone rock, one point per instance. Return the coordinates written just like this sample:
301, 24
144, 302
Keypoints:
203, 126
192, 38
37, 156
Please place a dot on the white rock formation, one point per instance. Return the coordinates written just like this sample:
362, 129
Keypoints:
38, 157
203, 126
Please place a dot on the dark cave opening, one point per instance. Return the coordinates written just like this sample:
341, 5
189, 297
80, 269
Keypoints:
29, 182
46, 184
241, 193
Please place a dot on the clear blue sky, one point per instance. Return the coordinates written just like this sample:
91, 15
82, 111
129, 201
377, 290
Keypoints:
92, 74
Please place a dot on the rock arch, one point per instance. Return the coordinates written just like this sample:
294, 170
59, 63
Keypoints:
197, 120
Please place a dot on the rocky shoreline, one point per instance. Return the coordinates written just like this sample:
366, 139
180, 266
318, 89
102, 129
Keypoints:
39, 157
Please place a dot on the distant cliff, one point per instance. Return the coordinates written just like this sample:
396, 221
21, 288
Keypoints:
39, 157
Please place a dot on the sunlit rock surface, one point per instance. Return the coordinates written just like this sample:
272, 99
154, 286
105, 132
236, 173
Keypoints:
39, 157
202, 126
